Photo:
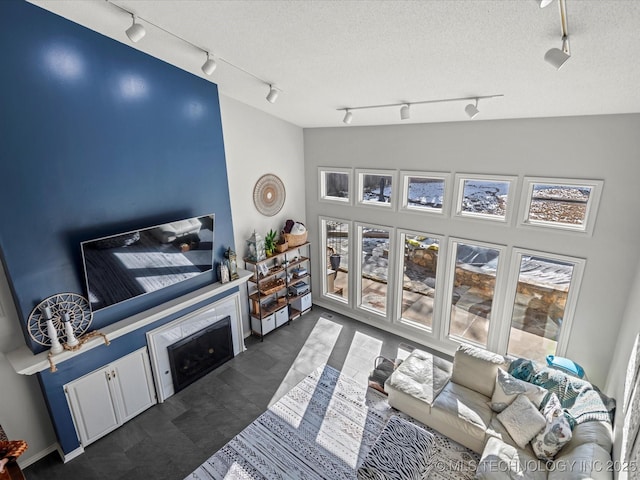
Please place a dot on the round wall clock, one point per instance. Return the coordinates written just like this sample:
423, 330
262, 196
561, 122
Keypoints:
269, 195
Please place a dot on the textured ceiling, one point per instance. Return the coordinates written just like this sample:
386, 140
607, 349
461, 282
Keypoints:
326, 55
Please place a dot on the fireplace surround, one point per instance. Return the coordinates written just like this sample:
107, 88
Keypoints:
200, 353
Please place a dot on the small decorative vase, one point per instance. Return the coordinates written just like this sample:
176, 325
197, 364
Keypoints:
56, 346
72, 341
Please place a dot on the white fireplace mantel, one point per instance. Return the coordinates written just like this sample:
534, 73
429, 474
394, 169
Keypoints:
25, 362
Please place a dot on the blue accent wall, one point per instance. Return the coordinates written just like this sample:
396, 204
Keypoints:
97, 138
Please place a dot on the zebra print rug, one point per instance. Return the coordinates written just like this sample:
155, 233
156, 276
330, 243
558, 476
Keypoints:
323, 429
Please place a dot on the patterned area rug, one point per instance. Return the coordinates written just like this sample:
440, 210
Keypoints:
323, 429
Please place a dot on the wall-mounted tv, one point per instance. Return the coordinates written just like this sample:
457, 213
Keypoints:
126, 265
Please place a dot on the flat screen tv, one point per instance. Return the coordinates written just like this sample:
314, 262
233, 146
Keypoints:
126, 265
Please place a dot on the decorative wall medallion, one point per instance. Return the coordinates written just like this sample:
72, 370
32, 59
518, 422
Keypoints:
71, 307
269, 195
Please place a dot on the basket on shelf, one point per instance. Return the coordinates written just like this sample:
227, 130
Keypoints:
272, 286
282, 247
295, 240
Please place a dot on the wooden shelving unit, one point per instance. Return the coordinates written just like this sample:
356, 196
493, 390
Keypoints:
274, 299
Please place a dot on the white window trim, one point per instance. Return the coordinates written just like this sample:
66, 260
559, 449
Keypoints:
512, 286
460, 178
322, 257
390, 270
592, 205
405, 175
323, 197
498, 293
434, 331
360, 173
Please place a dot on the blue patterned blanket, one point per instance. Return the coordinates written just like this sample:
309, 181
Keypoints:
582, 400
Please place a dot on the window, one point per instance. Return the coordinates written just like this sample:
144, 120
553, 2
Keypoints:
375, 187
471, 290
419, 269
336, 245
486, 197
424, 192
560, 203
375, 248
335, 184
543, 303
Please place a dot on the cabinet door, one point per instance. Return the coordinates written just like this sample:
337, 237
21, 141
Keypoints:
94, 412
132, 384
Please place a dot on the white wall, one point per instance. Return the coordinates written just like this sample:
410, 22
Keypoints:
23, 413
627, 333
599, 147
257, 143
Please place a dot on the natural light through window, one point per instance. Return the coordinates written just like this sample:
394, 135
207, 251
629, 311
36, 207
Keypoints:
374, 268
419, 267
484, 196
335, 184
472, 293
336, 246
540, 304
375, 188
423, 192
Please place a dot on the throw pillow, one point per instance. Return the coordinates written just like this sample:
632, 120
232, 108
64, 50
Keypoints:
522, 420
557, 432
508, 388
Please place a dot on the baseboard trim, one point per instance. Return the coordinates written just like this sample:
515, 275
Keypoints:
24, 463
67, 457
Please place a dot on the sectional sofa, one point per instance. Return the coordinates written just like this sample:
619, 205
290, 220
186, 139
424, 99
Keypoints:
526, 420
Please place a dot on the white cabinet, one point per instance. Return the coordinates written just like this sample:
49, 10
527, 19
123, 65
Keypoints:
103, 400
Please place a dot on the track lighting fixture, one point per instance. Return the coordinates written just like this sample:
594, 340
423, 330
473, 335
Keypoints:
210, 65
136, 31
272, 96
405, 112
472, 110
556, 56
405, 107
543, 3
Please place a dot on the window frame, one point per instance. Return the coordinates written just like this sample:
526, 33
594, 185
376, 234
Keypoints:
322, 183
323, 239
591, 210
359, 181
405, 175
357, 281
434, 330
498, 293
512, 197
512, 286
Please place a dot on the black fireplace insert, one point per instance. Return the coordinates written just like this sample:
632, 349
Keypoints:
201, 352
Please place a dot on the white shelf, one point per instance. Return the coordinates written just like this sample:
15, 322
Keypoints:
25, 362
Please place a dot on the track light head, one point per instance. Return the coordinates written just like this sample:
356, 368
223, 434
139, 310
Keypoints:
544, 3
348, 117
472, 110
405, 112
136, 31
557, 57
209, 66
272, 96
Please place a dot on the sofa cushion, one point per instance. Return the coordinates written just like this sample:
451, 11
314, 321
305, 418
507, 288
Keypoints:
461, 414
401, 451
421, 375
507, 388
476, 368
597, 432
500, 461
548, 442
498, 430
522, 420
586, 461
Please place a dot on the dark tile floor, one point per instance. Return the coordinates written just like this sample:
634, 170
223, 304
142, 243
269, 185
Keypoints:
171, 439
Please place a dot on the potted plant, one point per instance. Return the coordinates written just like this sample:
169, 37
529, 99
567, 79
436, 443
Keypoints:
270, 242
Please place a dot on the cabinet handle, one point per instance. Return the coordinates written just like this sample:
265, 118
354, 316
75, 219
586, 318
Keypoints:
108, 376
113, 373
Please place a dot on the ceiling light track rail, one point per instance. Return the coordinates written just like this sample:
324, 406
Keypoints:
137, 31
